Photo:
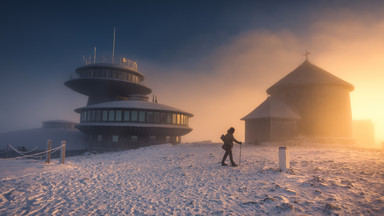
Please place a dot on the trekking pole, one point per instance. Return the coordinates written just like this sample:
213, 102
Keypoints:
240, 154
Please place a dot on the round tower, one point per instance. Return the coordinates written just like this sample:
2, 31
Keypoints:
118, 113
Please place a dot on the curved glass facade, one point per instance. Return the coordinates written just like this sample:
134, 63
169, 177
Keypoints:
126, 124
108, 73
134, 115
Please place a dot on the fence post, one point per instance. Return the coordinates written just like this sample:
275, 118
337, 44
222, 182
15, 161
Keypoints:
63, 144
49, 151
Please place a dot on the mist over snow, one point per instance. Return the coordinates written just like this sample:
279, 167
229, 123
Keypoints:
217, 69
225, 84
215, 60
188, 179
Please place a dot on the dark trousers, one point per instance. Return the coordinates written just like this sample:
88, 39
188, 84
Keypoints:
228, 152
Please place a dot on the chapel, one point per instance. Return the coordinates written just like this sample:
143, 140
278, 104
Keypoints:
307, 102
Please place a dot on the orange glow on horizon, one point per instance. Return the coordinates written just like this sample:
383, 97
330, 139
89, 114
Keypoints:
232, 81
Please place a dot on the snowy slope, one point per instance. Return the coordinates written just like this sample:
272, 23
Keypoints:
187, 179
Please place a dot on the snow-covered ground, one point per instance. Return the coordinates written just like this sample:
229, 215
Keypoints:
188, 179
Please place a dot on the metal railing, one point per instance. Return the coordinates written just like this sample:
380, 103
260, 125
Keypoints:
110, 60
74, 76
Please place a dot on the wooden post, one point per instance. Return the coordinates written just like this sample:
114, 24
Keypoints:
63, 144
49, 151
283, 158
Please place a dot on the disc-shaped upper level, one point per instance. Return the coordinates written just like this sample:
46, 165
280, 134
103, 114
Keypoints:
108, 80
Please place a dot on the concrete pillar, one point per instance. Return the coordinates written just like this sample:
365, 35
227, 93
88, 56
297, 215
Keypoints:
283, 158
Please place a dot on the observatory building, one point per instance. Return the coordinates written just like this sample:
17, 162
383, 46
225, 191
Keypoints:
308, 102
118, 113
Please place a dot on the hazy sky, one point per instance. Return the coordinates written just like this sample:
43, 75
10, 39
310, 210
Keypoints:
214, 59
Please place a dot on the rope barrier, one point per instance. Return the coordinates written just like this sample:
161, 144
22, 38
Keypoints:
17, 151
25, 152
32, 155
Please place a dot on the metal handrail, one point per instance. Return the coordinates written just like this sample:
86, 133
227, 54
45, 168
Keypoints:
110, 60
74, 76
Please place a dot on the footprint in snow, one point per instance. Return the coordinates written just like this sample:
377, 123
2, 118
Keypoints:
84, 180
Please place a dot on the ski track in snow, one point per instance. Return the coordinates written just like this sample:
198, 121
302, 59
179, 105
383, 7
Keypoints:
188, 179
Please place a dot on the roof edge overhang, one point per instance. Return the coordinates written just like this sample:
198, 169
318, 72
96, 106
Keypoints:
139, 105
273, 88
272, 108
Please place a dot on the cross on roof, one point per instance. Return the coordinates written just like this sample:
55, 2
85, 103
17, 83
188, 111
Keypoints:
306, 54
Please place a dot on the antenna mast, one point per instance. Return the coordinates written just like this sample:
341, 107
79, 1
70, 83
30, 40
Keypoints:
113, 48
94, 55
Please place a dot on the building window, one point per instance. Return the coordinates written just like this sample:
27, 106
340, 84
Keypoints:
99, 74
134, 116
134, 138
118, 115
88, 116
83, 116
126, 115
105, 115
169, 118
185, 120
115, 138
141, 116
174, 120
163, 117
124, 76
150, 117
109, 74
98, 115
156, 117
111, 115
129, 78
114, 75
152, 139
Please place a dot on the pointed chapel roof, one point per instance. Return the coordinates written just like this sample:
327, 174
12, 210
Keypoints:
308, 73
272, 108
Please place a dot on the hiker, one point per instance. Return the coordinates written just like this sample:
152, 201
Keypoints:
228, 140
